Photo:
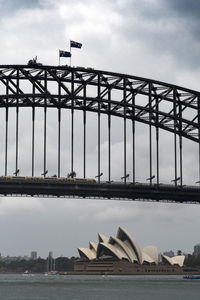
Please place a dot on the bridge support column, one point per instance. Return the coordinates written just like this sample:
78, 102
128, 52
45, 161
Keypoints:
133, 132
45, 124
157, 142
180, 142
33, 139
45, 140
72, 123
198, 99
33, 131
181, 160
6, 143
109, 137
175, 138
150, 135
59, 121
84, 133
17, 126
124, 98
99, 130
157, 155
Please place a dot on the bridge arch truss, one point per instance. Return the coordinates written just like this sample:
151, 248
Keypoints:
157, 104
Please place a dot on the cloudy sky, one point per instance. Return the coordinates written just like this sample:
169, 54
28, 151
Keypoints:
157, 39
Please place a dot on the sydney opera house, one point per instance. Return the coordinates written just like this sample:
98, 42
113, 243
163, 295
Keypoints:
122, 255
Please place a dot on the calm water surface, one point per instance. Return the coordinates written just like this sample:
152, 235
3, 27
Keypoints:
57, 287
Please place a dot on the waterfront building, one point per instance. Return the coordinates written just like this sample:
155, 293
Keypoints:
122, 254
33, 255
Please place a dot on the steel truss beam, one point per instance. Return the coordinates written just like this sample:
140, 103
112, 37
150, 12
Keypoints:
168, 107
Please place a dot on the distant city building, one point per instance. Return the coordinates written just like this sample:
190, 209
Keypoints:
169, 253
51, 254
196, 250
9, 259
50, 262
33, 255
25, 257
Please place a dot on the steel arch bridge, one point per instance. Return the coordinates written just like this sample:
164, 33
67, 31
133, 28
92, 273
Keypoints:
156, 104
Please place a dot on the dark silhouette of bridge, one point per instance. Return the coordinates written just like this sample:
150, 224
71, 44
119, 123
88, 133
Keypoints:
160, 106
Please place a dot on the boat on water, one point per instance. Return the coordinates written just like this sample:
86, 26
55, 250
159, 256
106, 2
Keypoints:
51, 273
192, 277
27, 273
51, 266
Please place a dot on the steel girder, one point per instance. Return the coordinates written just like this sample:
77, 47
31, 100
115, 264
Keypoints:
169, 107
117, 190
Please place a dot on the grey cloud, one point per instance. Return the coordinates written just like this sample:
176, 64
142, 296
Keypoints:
11, 6
166, 28
184, 8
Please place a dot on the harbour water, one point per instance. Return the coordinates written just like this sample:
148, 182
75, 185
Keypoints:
61, 287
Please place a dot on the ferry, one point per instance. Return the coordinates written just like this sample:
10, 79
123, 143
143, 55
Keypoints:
192, 277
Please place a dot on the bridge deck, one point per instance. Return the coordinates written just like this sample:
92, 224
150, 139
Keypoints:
105, 190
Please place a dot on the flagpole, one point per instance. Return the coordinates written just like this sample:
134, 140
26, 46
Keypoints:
59, 57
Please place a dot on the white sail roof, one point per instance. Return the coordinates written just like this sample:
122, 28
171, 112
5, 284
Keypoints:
87, 253
152, 252
147, 259
115, 250
102, 238
175, 260
132, 252
125, 246
93, 246
124, 235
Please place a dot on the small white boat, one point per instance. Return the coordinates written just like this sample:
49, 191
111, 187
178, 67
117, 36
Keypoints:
50, 273
27, 273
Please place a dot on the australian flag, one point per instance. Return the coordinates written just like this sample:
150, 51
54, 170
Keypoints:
64, 53
75, 44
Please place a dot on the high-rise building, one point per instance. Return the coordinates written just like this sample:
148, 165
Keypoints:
50, 262
50, 254
33, 255
196, 250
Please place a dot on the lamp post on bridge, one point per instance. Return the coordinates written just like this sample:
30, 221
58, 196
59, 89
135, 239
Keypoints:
45, 173
150, 179
98, 176
176, 180
16, 172
125, 177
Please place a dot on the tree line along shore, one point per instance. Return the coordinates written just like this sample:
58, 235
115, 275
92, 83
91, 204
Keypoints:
65, 264
62, 264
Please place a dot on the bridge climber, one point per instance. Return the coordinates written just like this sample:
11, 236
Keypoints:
160, 106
